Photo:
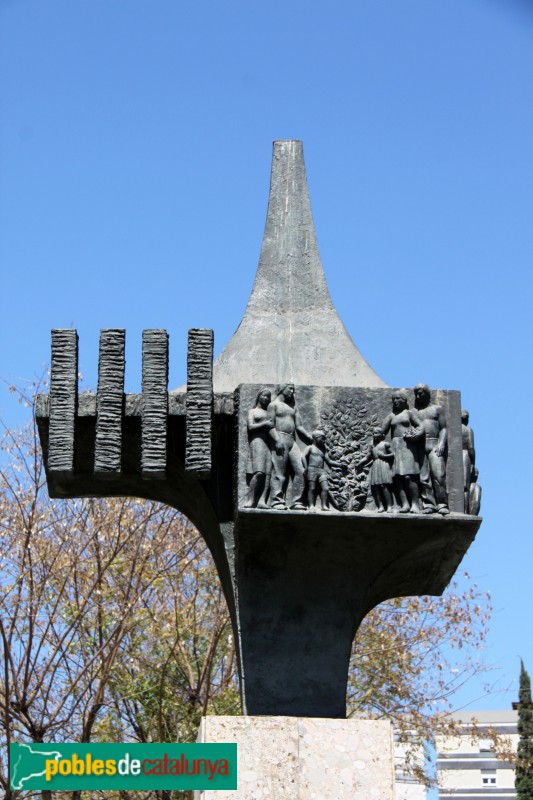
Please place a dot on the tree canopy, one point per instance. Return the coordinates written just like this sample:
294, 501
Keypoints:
524, 762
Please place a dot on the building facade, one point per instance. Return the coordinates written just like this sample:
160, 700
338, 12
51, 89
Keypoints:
407, 787
468, 768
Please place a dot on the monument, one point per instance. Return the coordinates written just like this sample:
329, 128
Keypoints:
319, 490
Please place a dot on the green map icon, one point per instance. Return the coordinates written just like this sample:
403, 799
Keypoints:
28, 764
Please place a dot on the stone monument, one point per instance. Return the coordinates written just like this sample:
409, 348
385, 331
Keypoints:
319, 490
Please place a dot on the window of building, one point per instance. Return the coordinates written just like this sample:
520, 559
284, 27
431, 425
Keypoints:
488, 777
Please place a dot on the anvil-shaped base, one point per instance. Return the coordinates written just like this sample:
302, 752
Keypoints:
305, 582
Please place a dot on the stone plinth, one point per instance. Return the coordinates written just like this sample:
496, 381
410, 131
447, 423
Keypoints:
303, 758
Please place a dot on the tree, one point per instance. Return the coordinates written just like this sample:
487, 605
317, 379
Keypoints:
410, 656
524, 763
105, 606
179, 664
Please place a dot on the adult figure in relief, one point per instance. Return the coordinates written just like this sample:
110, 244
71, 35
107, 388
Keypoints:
406, 433
259, 425
469, 456
433, 465
286, 455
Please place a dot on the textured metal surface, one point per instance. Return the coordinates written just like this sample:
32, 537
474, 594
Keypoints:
223, 403
199, 404
306, 581
110, 401
63, 399
154, 402
291, 330
317, 405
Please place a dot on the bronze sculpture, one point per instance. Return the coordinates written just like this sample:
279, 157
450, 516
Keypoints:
297, 582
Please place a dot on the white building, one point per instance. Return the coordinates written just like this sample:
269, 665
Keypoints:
467, 766
406, 785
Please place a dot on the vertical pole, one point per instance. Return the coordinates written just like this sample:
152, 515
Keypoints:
199, 403
110, 401
154, 403
63, 399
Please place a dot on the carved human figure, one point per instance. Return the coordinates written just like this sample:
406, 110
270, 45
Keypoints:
260, 455
406, 432
475, 494
469, 456
315, 460
381, 474
286, 455
433, 464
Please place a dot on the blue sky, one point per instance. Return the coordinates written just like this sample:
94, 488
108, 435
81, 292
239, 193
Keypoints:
135, 146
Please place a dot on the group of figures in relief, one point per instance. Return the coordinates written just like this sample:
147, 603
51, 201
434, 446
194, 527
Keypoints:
275, 455
406, 474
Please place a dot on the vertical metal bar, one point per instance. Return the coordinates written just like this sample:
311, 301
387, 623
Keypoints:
199, 404
451, 400
110, 401
154, 403
63, 399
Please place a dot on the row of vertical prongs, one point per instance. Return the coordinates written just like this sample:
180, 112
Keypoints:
110, 402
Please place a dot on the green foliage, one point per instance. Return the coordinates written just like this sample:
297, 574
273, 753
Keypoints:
113, 626
409, 656
524, 764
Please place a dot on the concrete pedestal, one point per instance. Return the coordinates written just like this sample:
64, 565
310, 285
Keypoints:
302, 758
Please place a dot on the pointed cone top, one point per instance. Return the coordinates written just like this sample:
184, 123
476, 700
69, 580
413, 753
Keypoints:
290, 331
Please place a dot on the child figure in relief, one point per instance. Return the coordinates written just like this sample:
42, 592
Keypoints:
381, 471
315, 461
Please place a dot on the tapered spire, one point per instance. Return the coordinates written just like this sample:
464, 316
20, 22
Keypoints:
290, 330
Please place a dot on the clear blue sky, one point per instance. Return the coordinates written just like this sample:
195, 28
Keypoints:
135, 146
